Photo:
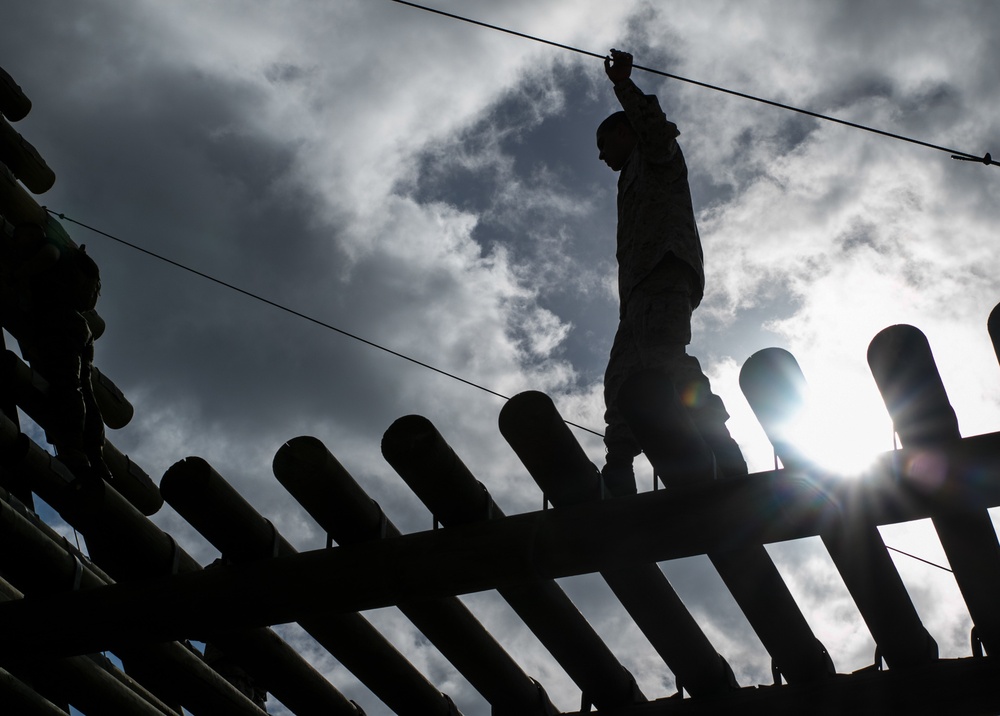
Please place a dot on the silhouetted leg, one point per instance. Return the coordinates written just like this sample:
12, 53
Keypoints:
93, 422
621, 445
654, 333
57, 350
708, 414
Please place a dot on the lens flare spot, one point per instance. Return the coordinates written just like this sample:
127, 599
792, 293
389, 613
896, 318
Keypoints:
692, 395
927, 469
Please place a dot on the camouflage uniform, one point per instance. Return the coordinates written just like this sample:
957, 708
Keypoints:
56, 340
661, 280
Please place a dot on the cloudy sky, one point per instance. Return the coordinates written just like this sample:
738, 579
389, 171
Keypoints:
433, 187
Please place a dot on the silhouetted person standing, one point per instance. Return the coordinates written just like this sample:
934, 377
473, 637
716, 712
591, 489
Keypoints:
53, 283
661, 277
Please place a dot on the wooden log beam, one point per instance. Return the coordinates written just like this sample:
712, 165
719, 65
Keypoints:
332, 497
649, 527
776, 389
437, 475
14, 104
36, 559
133, 548
947, 686
24, 700
24, 161
903, 366
532, 426
16, 205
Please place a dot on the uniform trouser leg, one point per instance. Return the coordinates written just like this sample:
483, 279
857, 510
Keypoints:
653, 333
63, 354
621, 444
708, 414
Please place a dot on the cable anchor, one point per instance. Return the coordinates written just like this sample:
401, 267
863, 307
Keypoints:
986, 159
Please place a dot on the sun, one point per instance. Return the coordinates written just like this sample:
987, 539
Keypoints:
837, 437
837, 423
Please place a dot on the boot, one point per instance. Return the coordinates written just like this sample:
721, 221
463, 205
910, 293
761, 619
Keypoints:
618, 476
729, 462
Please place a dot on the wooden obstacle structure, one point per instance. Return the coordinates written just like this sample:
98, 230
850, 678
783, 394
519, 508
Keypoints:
139, 595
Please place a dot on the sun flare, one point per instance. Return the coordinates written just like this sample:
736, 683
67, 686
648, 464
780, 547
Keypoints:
839, 438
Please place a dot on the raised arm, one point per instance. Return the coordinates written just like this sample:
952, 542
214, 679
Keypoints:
655, 133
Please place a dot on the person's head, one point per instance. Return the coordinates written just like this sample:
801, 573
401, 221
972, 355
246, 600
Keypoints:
615, 140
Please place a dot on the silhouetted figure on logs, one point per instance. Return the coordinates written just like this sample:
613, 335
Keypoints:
661, 277
52, 284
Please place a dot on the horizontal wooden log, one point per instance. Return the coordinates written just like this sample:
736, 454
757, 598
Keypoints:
649, 527
36, 559
328, 492
213, 507
87, 682
948, 686
131, 547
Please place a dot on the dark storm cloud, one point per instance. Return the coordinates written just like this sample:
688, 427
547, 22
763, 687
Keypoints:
215, 195
557, 221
